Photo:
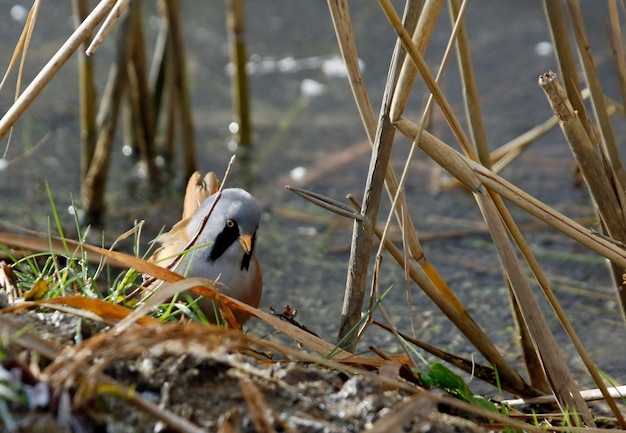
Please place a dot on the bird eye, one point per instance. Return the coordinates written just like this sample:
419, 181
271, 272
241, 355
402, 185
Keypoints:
230, 224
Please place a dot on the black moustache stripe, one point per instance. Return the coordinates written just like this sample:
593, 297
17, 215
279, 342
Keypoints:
227, 237
224, 240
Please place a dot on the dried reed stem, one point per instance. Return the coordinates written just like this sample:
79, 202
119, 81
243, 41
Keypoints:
531, 354
181, 83
421, 38
381, 137
618, 47
470, 89
565, 56
87, 94
340, 14
597, 97
82, 33
235, 26
591, 164
141, 107
94, 183
555, 366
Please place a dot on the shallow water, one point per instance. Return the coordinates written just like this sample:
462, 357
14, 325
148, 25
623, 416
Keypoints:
304, 258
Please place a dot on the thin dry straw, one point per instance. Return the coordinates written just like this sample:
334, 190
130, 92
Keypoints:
470, 93
618, 47
57, 61
21, 48
434, 88
595, 88
421, 37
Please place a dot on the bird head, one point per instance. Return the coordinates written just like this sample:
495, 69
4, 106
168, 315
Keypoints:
230, 230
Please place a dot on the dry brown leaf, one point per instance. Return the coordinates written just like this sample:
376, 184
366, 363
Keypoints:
107, 311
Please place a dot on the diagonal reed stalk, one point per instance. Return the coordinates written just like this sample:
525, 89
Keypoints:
81, 34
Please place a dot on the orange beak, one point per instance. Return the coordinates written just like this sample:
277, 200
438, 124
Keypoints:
246, 243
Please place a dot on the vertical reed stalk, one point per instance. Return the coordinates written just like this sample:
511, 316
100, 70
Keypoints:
595, 89
235, 26
143, 111
470, 90
179, 74
94, 184
86, 93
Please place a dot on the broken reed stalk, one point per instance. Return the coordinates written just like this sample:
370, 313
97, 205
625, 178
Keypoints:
568, 69
596, 96
611, 154
590, 160
86, 93
82, 33
235, 26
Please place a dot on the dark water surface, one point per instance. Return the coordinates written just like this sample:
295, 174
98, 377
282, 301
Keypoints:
305, 258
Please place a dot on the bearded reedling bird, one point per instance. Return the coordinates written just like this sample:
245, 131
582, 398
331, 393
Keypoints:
223, 250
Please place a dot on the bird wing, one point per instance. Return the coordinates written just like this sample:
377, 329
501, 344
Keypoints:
198, 189
174, 241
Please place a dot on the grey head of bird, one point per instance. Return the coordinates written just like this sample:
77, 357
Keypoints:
226, 241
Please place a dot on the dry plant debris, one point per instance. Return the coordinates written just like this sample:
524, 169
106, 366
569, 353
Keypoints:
189, 377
